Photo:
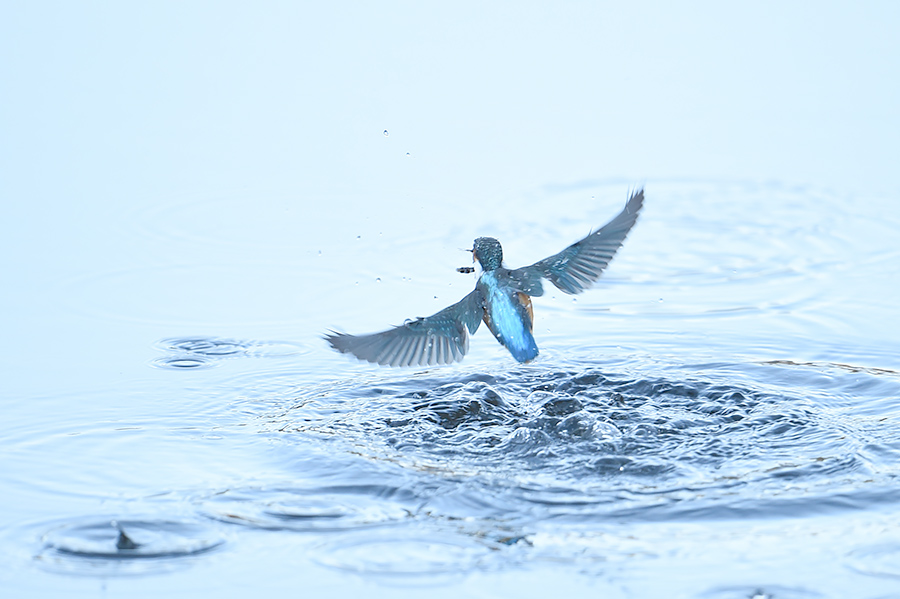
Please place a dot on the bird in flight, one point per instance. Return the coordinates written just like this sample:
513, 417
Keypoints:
501, 298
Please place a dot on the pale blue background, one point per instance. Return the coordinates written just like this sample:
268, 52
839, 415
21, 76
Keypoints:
110, 108
171, 169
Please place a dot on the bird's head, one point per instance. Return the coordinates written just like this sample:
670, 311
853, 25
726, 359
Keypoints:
488, 252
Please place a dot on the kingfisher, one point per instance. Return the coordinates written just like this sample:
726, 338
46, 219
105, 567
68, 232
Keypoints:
501, 298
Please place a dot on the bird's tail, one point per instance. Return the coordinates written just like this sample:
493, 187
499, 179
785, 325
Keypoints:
522, 346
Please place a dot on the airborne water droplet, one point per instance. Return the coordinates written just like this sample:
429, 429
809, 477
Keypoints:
386, 134
124, 542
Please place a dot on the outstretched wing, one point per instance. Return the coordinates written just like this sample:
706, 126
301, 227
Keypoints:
578, 266
439, 339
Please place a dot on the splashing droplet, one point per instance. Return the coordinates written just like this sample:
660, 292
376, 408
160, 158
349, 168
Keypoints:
386, 134
124, 542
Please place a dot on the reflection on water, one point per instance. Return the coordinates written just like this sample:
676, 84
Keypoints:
711, 403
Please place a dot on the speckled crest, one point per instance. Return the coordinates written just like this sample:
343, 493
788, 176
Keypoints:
488, 252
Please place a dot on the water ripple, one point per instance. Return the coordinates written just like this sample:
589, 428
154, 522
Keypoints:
97, 546
405, 557
585, 443
760, 592
207, 352
335, 508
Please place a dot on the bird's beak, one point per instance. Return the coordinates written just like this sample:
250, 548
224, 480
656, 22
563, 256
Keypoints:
467, 269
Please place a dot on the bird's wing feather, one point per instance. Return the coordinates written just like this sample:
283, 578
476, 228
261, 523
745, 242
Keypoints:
578, 266
438, 339
524, 280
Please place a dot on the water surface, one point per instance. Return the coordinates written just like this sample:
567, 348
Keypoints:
716, 419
